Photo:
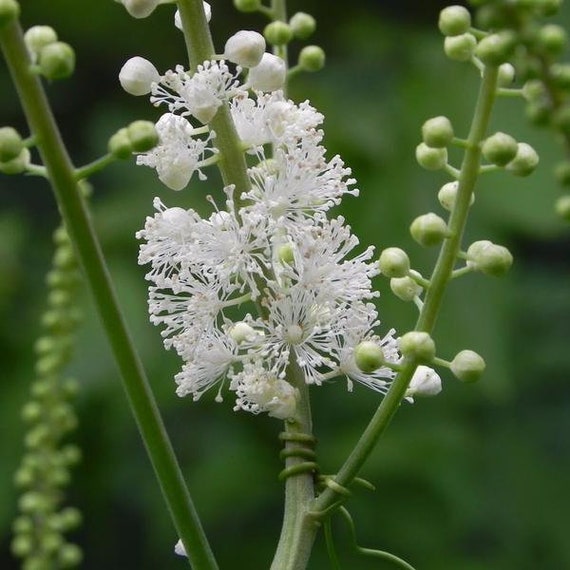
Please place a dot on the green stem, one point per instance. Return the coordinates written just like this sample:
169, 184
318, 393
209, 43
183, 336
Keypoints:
439, 279
77, 221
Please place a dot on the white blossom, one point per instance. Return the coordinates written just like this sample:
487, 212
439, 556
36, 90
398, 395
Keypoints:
268, 75
245, 48
425, 382
138, 75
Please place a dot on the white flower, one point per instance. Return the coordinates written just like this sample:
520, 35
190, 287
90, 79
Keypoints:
179, 549
245, 48
425, 382
137, 76
268, 75
179, 153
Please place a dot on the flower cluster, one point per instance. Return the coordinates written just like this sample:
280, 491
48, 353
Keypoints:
270, 284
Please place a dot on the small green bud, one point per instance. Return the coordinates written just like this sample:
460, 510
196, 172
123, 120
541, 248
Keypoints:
22, 525
70, 454
9, 10
368, 356
142, 135
278, 33
70, 556
448, 194
418, 346
562, 173
247, 5
22, 545
394, 262
552, 39
489, 258
562, 207
405, 288
538, 112
437, 132
303, 25
499, 149
496, 49
24, 477
37, 37
431, 158
120, 145
32, 411
534, 90
454, 21
525, 161
560, 73
312, 58
33, 502
506, 75
11, 144
16, 165
56, 60
70, 518
286, 254
429, 229
467, 366
51, 541
460, 48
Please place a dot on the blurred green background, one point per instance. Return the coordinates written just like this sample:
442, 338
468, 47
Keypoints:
477, 478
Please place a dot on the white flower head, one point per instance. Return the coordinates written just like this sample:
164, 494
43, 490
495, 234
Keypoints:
245, 48
137, 76
269, 74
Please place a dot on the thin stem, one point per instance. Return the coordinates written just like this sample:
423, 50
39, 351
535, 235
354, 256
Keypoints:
439, 279
78, 223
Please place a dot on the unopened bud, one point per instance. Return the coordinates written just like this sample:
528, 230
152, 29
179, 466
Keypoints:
552, 39
437, 132
140, 8
394, 262
454, 21
467, 366
496, 49
499, 148
560, 74
9, 10
368, 356
269, 75
37, 37
245, 48
312, 58
448, 194
418, 346
429, 230
562, 173
424, 383
431, 158
460, 48
16, 165
278, 33
11, 144
525, 161
303, 25
405, 288
143, 136
120, 145
247, 5
137, 76
506, 75
56, 60
562, 207
286, 254
489, 258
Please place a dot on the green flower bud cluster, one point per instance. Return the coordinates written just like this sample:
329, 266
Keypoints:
40, 528
14, 156
503, 150
51, 58
405, 283
139, 136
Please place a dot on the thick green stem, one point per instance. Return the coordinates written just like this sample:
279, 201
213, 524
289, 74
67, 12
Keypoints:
63, 178
441, 275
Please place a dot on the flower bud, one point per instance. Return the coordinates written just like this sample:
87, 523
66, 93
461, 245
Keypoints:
489, 258
454, 21
499, 148
548, 7
431, 158
245, 48
278, 33
560, 74
140, 8
137, 76
495, 49
437, 132
312, 58
394, 262
448, 194
247, 5
37, 37
562, 173
368, 356
525, 161
506, 75
429, 229
286, 254
405, 288
269, 75
460, 48
16, 165
69, 556
56, 60
424, 383
11, 144
207, 12
142, 135
418, 346
9, 10
120, 144
552, 39
467, 366
303, 25
562, 207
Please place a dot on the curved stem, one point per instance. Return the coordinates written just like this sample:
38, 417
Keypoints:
439, 279
78, 223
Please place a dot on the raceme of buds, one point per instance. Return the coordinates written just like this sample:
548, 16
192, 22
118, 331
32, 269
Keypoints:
9, 10
405, 288
429, 229
137, 76
311, 58
454, 21
303, 25
431, 158
394, 262
437, 132
418, 346
489, 258
460, 48
369, 356
500, 149
56, 60
11, 144
269, 75
524, 162
467, 366
245, 48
